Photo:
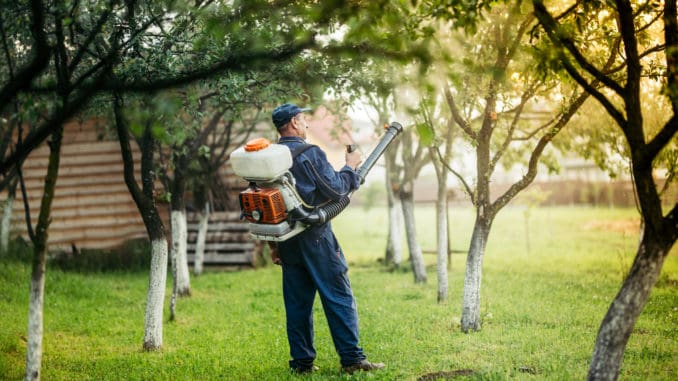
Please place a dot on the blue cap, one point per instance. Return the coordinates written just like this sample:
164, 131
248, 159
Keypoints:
284, 113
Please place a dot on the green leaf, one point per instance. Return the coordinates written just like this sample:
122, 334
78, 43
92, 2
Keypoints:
426, 133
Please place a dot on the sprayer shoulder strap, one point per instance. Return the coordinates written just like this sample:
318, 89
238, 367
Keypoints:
301, 149
298, 151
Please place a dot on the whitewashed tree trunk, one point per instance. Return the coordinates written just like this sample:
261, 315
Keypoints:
156, 295
179, 256
470, 314
442, 235
203, 224
5, 224
35, 326
395, 231
37, 290
442, 238
416, 255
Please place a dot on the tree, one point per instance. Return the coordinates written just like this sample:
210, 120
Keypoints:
496, 95
414, 156
144, 197
430, 119
37, 290
621, 98
380, 96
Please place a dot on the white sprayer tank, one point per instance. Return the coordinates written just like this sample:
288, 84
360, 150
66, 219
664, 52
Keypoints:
259, 160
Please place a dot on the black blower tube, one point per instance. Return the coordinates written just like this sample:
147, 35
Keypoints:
323, 214
392, 131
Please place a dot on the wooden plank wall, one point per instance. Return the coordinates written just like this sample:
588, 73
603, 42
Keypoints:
93, 208
227, 242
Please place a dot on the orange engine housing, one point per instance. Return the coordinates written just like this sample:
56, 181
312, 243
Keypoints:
263, 205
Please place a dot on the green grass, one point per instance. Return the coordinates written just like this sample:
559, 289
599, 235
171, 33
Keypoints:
541, 310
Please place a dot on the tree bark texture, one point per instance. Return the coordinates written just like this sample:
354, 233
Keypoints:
203, 224
416, 256
470, 314
394, 247
442, 240
37, 289
622, 315
395, 233
659, 234
5, 223
179, 255
442, 221
155, 296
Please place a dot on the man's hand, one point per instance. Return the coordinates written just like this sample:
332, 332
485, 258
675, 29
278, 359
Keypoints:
353, 159
275, 258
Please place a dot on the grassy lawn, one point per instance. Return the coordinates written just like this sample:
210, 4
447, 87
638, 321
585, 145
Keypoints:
541, 310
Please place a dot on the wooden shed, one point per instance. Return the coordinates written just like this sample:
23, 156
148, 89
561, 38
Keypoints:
93, 209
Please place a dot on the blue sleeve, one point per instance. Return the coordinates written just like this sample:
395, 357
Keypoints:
330, 183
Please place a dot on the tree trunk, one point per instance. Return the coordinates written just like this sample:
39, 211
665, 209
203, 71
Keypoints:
442, 238
155, 296
173, 264
145, 202
620, 319
658, 236
203, 224
395, 232
416, 256
179, 256
470, 314
442, 220
394, 247
5, 223
37, 290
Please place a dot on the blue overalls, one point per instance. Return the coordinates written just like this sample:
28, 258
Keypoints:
313, 261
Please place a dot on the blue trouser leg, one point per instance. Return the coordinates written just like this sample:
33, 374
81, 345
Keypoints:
298, 294
342, 318
317, 263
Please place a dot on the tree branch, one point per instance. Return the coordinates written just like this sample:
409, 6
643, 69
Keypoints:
554, 32
467, 188
526, 96
549, 25
93, 33
461, 122
670, 225
40, 52
527, 179
671, 40
240, 62
652, 149
536, 130
38, 135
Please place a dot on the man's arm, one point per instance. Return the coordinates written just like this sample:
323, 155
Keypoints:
332, 184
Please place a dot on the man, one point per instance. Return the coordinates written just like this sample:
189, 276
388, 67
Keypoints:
312, 260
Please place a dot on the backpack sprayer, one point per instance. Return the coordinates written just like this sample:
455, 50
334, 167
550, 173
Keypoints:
271, 204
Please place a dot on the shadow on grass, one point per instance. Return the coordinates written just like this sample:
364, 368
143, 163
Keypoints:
449, 375
131, 256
